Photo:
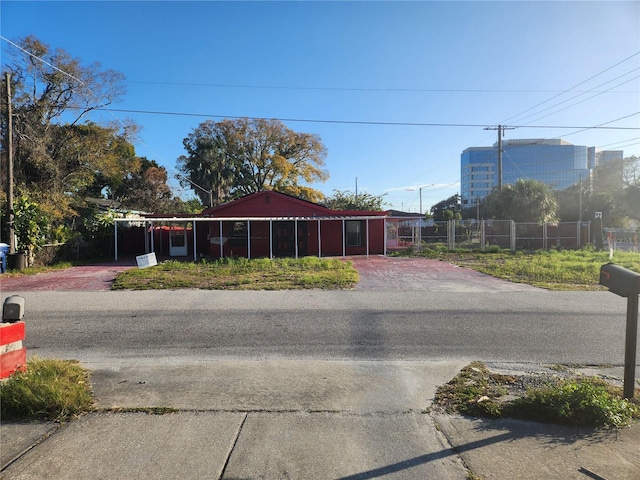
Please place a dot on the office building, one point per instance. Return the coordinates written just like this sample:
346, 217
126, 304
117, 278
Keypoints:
555, 162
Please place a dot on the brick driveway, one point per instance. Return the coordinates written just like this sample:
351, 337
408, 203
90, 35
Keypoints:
377, 273
80, 278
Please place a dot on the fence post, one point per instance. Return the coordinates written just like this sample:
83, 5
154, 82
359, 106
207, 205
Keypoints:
451, 234
545, 236
579, 234
512, 236
483, 239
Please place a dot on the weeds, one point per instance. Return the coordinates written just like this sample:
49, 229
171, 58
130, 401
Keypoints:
552, 269
474, 391
243, 274
578, 401
48, 389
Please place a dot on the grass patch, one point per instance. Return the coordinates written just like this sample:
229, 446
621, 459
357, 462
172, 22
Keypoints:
574, 401
38, 269
243, 274
577, 402
48, 389
551, 269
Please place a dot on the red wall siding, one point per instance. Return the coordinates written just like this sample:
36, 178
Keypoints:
273, 204
331, 241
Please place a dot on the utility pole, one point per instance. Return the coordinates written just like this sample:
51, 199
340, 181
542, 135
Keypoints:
10, 216
500, 129
580, 202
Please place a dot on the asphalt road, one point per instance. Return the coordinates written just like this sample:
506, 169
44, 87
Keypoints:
187, 326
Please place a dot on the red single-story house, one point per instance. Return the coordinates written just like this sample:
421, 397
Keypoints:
270, 224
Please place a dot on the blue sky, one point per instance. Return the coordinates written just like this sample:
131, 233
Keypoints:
534, 64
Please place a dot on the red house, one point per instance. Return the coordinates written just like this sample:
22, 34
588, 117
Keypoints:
272, 224
266, 224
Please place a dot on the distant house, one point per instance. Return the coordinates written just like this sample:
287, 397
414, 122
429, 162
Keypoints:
272, 224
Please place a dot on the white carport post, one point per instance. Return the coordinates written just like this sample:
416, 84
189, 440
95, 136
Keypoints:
153, 241
367, 224
271, 239
115, 240
221, 249
344, 240
385, 236
195, 256
248, 239
319, 241
146, 237
295, 235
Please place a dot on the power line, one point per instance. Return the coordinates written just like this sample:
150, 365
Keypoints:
581, 101
572, 88
358, 122
344, 89
621, 141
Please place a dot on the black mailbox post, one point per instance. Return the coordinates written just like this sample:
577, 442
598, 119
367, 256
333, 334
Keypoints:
625, 283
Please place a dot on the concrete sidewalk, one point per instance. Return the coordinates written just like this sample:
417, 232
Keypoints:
294, 419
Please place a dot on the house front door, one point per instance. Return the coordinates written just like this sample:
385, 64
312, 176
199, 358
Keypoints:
178, 242
284, 239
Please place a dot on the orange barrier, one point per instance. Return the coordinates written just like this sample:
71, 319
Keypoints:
13, 356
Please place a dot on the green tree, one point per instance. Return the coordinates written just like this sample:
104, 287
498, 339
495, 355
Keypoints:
448, 209
146, 189
193, 205
56, 157
232, 158
629, 201
348, 200
98, 231
30, 226
525, 201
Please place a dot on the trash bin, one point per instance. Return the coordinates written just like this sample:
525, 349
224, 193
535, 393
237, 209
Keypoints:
4, 250
16, 261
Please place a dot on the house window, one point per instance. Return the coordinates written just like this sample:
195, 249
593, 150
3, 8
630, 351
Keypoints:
240, 229
354, 230
238, 235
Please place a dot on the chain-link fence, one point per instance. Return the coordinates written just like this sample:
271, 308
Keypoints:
622, 239
497, 233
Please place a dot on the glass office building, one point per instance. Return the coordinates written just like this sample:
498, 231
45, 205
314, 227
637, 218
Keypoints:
557, 163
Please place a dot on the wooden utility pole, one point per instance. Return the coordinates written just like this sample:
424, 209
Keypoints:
500, 129
10, 216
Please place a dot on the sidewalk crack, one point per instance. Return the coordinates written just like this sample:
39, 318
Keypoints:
233, 446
